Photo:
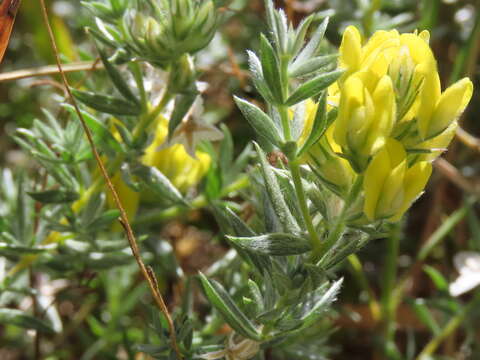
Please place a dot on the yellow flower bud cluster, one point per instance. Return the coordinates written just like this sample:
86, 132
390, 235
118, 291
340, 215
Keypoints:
392, 119
174, 162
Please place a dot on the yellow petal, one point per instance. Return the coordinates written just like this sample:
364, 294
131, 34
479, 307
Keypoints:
419, 49
438, 142
385, 106
350, 100
425, 36
428, 98
395, 151
377, 173
451, 105
416, 179
351, 48
392, 196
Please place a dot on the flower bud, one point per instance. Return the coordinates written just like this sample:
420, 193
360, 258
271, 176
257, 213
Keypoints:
390, 185
179, 27
334, 171
450, 105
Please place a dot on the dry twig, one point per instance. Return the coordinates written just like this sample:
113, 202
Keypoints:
146, 272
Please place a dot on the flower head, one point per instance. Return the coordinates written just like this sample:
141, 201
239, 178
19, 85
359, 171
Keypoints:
391, 88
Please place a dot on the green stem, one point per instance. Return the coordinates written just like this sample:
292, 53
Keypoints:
199, 202
390, 275
368, 17
359, 273
439, 235
283, 110
302, 200
137, 74
297, 181
337, 229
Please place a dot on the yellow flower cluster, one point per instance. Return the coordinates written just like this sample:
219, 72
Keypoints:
179, 167
389, 101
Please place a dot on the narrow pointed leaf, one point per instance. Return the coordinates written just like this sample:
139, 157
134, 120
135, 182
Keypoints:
311, 48
270, 69
54, 196
101, 133
313, 87
223, 302
24, 320
183, 103
320, 124
117, 79
276, 244
311, 65
155, 181
107, 104
276, 196
261, 122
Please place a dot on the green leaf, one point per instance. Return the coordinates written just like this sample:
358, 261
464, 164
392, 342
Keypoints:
158, 183
424, 314
315, 312
104, 220
54, 196
13, 250
225, 155
24, 320
256, 295
320, 124
223, 302
276, 244
311, 48
438, 279
310, 66
213, 183
270, 69
313, 87
118, 79
255, 67
107, 104
276, 196
101, 134
261, 122
301, 32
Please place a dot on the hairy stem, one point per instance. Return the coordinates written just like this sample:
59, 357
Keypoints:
302, 200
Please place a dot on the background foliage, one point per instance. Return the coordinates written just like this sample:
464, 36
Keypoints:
101, 304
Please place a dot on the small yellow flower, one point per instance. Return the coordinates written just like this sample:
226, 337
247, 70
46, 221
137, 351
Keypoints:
391, 186
173, 161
